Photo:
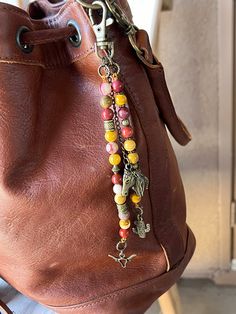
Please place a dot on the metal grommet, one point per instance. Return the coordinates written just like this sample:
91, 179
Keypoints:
76, 39
24, 47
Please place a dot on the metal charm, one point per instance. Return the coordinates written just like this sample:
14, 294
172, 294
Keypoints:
141, 228
141, 183
134, 179
122, 259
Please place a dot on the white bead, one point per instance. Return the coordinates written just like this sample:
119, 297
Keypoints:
117, 189
124, 216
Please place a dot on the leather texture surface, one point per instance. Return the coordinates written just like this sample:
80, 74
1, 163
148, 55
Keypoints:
58, 219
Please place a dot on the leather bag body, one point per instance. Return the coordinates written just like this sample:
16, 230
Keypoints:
57, 217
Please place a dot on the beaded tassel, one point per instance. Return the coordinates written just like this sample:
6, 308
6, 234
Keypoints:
119, 131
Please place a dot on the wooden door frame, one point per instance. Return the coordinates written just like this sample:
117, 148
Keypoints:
226, 62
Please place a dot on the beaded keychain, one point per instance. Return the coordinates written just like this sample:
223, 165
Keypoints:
127, 180
119, 132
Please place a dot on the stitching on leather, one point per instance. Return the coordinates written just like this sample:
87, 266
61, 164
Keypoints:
109, 297
21, 61
39, 62
48, 23
125, 290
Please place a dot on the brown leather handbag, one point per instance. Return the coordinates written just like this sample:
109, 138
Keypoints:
61, 242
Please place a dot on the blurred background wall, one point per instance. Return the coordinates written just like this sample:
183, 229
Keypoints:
188, 46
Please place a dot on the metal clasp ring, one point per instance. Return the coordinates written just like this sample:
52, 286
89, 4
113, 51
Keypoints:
121, 246
100, 30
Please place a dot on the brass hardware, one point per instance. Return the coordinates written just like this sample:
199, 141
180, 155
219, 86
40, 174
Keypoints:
122, 259
100, 30
133, 178
88, 6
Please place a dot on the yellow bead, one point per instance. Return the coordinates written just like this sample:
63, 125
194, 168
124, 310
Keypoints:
133, 158
121, 100
124, 224
129, 145
114, 159
111, 136
120, 199
135, 198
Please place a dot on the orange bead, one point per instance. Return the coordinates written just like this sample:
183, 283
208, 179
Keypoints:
135, 198
133, 158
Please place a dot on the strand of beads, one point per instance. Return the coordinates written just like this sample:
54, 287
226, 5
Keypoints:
119, 131
129, 146
111, 135
127, 131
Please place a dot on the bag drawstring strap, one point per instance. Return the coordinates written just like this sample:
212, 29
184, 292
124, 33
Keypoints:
47, 35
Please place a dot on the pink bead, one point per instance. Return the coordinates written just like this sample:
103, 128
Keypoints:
112, 148
127, 132
117, 86
123, 113
105, 88
117, 178
107, 114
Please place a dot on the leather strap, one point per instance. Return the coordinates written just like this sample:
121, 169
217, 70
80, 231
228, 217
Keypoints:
4, 309
47, 35
156, 75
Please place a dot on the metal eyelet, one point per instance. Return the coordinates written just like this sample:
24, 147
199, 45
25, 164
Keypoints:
24, 47
76, 39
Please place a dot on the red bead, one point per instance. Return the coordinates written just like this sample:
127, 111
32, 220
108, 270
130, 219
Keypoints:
124, 233
127, 132
116, 178
107, 114
117, 86
123, 113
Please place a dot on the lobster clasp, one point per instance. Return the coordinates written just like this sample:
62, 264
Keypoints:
100, 29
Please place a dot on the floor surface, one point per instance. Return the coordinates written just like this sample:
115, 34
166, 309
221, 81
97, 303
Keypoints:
197, 296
